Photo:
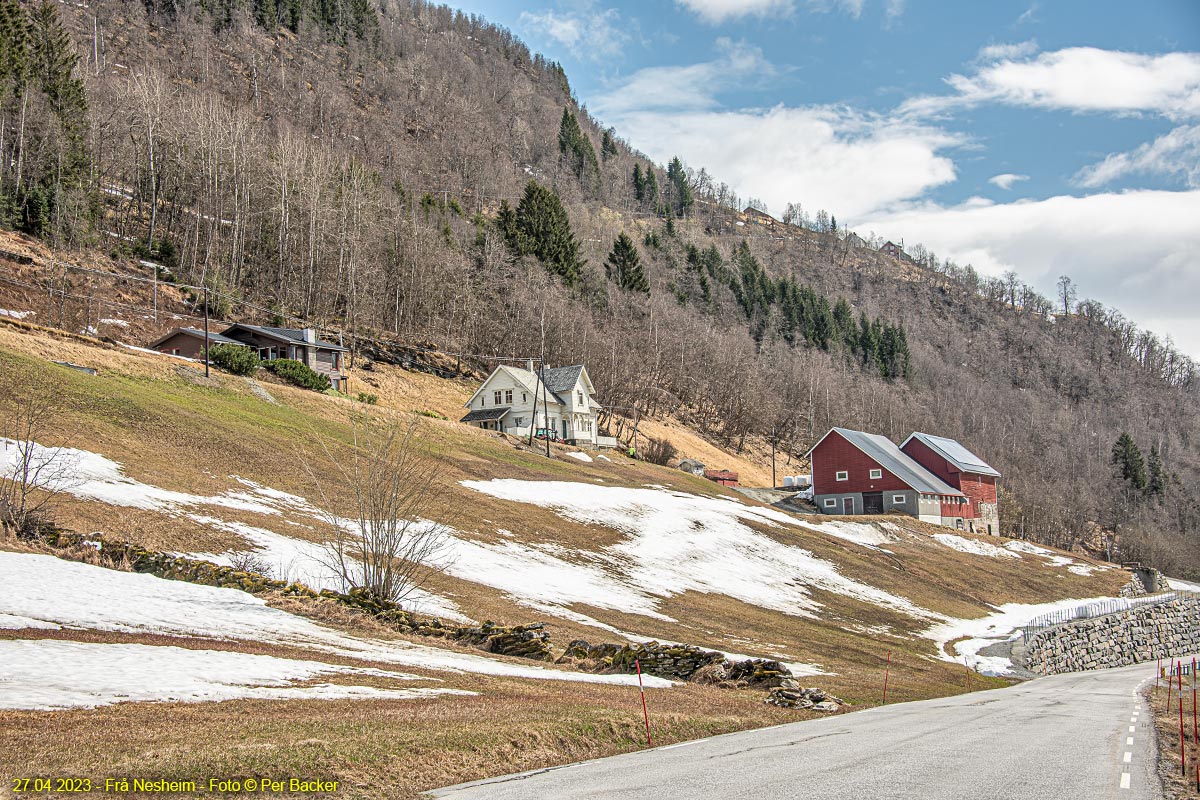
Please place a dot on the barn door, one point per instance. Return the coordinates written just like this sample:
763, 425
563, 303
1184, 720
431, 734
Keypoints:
873, 503
847, 505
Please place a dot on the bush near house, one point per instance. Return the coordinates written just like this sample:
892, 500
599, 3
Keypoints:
298, 373
234, 358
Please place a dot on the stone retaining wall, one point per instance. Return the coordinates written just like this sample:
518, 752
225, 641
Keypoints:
1143, 633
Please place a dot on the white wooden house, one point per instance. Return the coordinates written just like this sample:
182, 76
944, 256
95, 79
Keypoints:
560, 401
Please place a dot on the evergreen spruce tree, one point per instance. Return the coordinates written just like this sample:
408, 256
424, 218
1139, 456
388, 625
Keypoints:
1129, 463
543, 230
651, 188
1156, 483
625, 266
639, 182
680, 190
608, 145
575, 146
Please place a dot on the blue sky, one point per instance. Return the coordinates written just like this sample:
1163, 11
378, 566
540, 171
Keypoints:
1046, 137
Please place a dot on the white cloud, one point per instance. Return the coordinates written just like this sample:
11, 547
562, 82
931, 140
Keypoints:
689, 87
831, 157
1078, 79
1006, 180
718, 11
1137, 250
1000, 52
1176, 153
587, 34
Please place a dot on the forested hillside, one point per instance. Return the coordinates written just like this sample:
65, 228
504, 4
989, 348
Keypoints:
408, 170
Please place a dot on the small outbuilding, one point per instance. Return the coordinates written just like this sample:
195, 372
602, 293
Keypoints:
693, 466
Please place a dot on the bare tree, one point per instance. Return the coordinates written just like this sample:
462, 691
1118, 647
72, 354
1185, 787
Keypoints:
33, 476
391, 546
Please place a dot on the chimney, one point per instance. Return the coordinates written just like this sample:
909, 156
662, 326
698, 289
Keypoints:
310, 334
530, 365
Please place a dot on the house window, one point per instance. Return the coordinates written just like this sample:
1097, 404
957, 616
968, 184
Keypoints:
831, 502
898, 499
842, 475
580, 396
520, 422
496, 396
508, 397
876, 474
523, 400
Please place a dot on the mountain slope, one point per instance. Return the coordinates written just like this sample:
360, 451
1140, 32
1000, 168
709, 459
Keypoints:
349, 176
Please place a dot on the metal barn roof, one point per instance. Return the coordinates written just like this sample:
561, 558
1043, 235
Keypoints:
885, 453
955, 453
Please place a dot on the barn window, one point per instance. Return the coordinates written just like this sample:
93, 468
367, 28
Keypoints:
876, 474
830, 502
842, 475
898, 499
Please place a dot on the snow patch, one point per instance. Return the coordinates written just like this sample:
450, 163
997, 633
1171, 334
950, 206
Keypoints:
54, 592
674, 542
859, 533
4, 312
48, 674
584, 457
1002, 625
973, 546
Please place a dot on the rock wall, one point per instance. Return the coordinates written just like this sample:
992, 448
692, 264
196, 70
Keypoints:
1144, 633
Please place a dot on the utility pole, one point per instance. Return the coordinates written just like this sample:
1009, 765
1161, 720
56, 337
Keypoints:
206, 331
774, 482
545, 405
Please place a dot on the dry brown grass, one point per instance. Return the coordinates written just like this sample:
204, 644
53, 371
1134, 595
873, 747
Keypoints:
1176, 785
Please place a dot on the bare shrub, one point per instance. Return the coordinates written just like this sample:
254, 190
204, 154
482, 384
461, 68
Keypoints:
390, 547
659, 451
250, 561
33, 475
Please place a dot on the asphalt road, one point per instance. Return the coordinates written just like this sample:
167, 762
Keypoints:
1084, 736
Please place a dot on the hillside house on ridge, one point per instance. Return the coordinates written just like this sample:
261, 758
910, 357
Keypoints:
559, 400
298, 344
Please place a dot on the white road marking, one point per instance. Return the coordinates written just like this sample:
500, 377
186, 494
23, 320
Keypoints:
1128, 757
1128, 740
1133, 718
1131, 728
1124, 780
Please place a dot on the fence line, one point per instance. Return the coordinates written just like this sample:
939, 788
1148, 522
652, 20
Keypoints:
1100, 608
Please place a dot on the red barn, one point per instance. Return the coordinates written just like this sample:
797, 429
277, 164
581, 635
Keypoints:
722, 476
863, 473
965, 471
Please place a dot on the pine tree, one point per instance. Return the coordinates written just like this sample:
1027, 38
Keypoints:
608, 145
577, 149
542, 229
625, 266
651, 188
1128, 459
680, 190
14, 48
639, 182
1156, 484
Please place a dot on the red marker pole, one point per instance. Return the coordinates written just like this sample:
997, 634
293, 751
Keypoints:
1182, 743
645, 712
886, 669
1170, 686
1195, 727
